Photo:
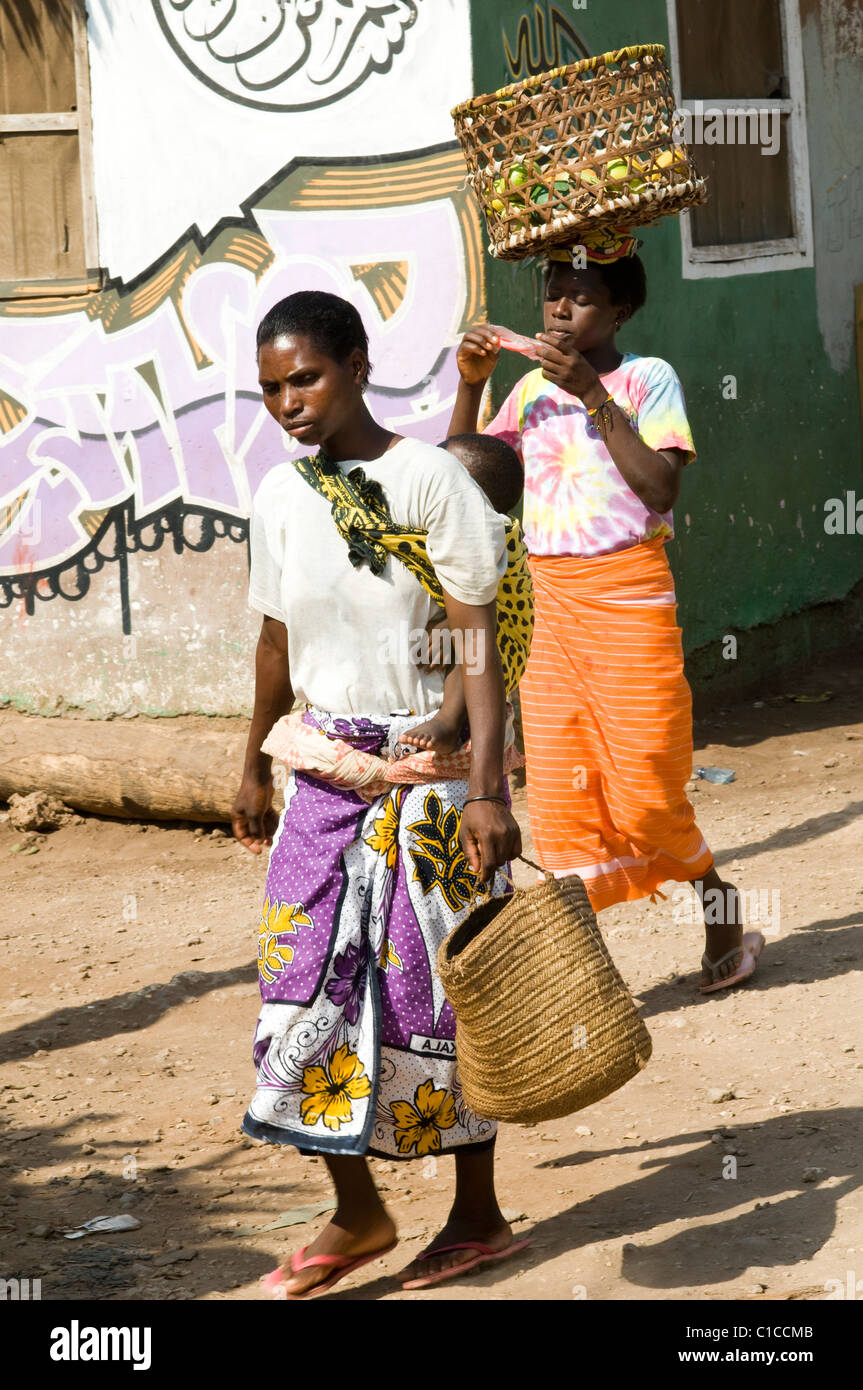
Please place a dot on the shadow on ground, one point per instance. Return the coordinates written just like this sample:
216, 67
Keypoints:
121, 1013
799, 958
184, 1247
771, 1158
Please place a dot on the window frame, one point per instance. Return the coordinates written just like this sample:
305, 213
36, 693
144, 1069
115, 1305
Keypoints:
755, 257
80, 121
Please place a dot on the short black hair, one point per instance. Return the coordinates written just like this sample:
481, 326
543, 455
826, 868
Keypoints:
626, 281
493, 464
331, 323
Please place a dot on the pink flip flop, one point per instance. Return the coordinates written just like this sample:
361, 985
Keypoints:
751, 946
484, 1256
341, 1265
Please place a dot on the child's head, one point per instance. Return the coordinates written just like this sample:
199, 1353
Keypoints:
593, 302
493, 464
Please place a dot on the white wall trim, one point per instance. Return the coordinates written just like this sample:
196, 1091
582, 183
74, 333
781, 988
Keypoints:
748, 258
85, 135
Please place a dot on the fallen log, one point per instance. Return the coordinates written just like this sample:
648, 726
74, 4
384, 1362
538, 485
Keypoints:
186, 768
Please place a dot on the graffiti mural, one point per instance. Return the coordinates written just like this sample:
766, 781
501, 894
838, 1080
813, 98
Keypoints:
543, 41
286, 55
133, 416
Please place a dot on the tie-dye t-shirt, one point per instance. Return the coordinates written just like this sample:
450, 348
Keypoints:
575, 500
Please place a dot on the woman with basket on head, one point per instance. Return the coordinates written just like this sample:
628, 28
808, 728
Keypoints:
354, 1046
605, 705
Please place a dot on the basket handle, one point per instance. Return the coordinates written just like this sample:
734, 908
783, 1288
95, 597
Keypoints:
524, 859
484, 890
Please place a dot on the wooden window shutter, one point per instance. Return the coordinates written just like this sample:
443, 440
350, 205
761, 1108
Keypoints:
732, 51
47, 226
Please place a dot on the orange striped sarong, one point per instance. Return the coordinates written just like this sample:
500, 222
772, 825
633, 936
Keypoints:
607, 717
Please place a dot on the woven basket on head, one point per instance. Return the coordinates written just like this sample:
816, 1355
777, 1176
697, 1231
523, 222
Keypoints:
544, 1023
579, 148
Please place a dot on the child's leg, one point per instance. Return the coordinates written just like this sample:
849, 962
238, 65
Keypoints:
359, 1226
442, 733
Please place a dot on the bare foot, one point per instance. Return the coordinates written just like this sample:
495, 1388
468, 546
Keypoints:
496, 1234
376, 1232
438, 734
723, 931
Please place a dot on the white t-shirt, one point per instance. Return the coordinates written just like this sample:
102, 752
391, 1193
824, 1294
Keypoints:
350, 631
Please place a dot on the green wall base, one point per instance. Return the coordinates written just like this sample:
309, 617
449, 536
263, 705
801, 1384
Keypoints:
767, 654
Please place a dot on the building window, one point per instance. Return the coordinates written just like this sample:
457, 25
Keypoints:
738, 72
48, 231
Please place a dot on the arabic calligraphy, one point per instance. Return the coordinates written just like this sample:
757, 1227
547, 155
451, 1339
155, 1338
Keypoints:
286, 55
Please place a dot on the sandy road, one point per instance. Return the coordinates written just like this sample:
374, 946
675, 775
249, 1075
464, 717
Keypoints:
729, 1168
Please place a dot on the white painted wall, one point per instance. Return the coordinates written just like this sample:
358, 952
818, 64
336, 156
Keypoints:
170, 151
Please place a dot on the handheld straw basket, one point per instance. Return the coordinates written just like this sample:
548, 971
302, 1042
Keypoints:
582, 147
544, 1023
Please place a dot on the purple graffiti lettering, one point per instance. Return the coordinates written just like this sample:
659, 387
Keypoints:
139, 416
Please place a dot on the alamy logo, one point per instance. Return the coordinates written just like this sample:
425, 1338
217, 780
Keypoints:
844, 515
728, 125
416, 646
851, 1288
16, 1290
77, 1343
761, 906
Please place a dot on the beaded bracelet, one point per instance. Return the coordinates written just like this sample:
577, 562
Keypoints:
609, 400
602, 415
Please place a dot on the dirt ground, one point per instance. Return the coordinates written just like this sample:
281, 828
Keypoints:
729, 1168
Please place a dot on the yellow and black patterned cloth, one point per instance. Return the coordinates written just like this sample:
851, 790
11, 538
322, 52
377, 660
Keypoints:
361, 514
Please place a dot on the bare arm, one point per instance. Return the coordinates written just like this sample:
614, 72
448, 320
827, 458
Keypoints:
489, 833
252, 816
654, 475
477, 358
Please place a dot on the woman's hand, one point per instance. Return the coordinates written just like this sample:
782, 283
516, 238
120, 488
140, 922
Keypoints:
489, 836
477, 355
563, 364
253, 819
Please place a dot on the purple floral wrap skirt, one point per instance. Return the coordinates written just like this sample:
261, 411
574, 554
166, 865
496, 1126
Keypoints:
355, 1042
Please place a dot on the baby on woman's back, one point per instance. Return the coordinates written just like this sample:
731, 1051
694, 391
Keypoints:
496, 467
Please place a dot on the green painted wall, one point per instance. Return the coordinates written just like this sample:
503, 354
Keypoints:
750, 548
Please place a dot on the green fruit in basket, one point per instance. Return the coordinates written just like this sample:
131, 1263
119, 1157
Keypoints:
518, 174
540, 194
497, 205
630, 179
588, 176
